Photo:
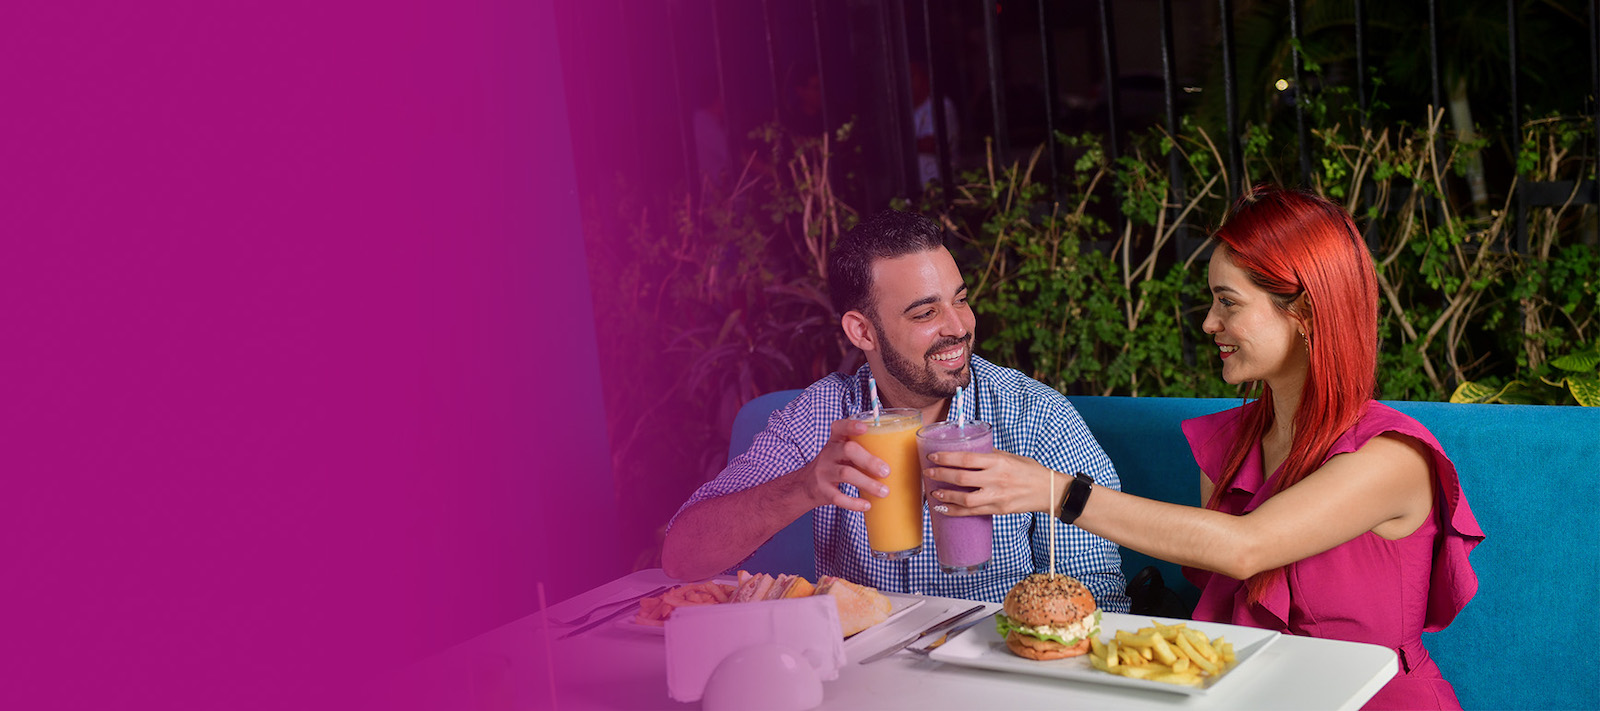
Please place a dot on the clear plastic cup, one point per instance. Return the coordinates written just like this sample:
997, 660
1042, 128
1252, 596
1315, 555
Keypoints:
894, 523
965, 544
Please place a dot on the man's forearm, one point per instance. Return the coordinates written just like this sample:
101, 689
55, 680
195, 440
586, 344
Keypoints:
717, 533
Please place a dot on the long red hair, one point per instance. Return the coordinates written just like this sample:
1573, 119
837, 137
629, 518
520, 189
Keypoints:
1307, 253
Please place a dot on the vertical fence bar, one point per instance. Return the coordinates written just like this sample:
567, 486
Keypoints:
1302, 140
941, 133
1433, 54
722, 76
1046, 49
1594, 88
1511, 53
1364, 101
691, 164
1438, 83
1361, 60
1108, 47
899, 119
1519, 195
1169, 75
822, 74
772, 59
1175, 183
899, 11
997, 99
1230, 89
628, 99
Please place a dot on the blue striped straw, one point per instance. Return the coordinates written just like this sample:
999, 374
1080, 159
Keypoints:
955, 406
877, 407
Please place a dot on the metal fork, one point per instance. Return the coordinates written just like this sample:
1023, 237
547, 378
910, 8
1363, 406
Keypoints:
953, 631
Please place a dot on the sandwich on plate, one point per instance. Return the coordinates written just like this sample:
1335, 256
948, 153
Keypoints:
754, 587
860, 607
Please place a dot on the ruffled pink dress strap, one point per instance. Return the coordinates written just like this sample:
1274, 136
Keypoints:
1453, 583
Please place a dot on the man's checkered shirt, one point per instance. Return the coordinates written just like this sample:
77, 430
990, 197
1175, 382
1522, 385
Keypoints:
1029, 419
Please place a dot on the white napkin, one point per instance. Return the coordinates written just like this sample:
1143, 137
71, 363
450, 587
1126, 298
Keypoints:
699, 638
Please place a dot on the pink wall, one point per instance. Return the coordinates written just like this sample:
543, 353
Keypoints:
298, 357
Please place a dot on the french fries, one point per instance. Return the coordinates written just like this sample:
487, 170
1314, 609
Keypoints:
654, 611
1171, 654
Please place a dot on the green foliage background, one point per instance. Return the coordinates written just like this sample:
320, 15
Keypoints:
1088, 284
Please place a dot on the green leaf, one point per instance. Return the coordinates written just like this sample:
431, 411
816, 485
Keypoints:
1578, 362
1469, 392
1585, 389
1518, 392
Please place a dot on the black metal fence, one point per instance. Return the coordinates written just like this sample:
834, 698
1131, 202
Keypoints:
645, 71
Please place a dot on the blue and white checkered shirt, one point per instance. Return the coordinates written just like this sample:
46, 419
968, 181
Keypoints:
1029, 419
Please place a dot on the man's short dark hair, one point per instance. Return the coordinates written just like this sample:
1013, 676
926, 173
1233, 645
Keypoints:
886, 235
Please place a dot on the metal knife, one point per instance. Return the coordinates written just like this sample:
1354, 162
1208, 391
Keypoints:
618, 613
940, 625
953, 631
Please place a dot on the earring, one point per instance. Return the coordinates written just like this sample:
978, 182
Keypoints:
1307, 340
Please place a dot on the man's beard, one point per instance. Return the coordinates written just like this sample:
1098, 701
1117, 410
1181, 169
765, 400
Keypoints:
920, 378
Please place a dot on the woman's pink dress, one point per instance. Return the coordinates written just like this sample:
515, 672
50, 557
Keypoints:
1368, 589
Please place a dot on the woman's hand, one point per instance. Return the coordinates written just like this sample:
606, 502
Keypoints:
1006, 483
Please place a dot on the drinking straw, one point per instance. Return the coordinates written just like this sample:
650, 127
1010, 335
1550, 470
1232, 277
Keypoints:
955, 407
877, 407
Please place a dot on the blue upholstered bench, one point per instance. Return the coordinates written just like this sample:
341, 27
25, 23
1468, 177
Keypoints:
1531, 473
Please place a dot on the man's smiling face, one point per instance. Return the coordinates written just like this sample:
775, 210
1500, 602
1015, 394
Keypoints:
922, 323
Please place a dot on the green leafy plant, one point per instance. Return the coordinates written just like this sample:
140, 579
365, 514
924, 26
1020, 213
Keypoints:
1077, 283
1575, 379
704, 304
1069, 298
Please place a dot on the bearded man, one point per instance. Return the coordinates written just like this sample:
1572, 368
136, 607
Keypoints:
903, 302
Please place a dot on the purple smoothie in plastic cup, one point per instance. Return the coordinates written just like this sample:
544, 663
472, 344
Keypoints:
964, 543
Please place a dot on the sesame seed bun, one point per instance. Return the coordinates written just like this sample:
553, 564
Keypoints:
1054, 600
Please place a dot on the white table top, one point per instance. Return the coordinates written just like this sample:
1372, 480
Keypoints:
521, 666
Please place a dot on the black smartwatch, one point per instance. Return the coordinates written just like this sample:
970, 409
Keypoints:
1077, 495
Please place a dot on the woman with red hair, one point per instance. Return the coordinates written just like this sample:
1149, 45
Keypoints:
1326, 513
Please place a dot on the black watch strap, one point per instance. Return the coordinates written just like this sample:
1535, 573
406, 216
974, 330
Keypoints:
1077, 495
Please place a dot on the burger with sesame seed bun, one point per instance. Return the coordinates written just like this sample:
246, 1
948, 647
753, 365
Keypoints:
1048, 617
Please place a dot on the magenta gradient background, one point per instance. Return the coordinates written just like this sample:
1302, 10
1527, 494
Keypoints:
299, 359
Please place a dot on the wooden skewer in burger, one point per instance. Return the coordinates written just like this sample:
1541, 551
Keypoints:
1048, 616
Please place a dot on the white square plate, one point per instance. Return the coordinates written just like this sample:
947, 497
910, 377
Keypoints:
984, 648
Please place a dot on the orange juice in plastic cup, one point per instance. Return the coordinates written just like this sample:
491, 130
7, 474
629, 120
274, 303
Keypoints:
894, 523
